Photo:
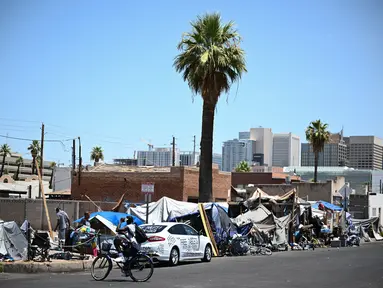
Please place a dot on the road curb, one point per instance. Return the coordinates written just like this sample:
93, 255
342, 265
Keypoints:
45, 267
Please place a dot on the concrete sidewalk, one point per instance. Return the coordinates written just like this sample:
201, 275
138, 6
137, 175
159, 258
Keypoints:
56, 266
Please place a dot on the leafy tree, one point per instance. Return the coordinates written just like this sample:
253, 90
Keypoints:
35, 150
317, 135
96, 155
243, 166
19, 162
5, 150
210, 61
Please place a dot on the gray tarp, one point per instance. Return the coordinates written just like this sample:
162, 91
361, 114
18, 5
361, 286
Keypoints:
12, 240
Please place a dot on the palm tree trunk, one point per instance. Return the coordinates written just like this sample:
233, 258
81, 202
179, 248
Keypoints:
33, 165
316, 157
17, 173
3, 164
206, 159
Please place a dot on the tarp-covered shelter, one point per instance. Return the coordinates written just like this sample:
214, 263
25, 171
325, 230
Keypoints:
12, 241
109, 220
167, 209
327, 205
264, 221
366, 228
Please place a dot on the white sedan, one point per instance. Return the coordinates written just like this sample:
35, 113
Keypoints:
175, 242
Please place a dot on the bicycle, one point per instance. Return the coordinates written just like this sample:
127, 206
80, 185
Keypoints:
106, 261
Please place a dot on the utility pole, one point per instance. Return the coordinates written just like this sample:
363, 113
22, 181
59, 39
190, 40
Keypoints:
193, 163
41, 156
174, 151
79, 161
74, 157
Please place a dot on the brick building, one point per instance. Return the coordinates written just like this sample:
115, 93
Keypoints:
241, 179
108, 183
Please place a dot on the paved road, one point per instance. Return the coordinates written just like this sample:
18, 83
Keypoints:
338, 268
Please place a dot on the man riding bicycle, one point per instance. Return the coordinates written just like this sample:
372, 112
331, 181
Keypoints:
125, 241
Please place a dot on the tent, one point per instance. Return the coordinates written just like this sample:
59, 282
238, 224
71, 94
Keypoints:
12, 240
110, 219
167, 209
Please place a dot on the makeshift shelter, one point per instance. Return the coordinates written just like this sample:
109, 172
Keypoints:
263, 220
12, 241
367, 229
167, 209
327, 205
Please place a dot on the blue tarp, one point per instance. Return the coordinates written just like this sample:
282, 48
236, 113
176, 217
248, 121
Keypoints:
327, 205
113, 217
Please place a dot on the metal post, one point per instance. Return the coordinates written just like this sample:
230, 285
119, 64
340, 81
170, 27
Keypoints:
147, 195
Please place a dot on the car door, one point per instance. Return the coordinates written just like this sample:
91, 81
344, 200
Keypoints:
181, 240
194, 243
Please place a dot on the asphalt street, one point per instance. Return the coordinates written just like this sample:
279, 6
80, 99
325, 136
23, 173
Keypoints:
346, 267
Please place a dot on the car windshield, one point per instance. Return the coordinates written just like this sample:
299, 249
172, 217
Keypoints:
150, 229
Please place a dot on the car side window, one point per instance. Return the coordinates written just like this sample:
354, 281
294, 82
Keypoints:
190, 231
177, 230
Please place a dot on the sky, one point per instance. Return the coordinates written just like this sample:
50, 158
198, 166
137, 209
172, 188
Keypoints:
102, 70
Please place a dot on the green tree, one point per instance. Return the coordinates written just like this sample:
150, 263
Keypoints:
5, 150
35, 150
317, 135
243, 166
19, 162
210, 61
97, 154
52, 166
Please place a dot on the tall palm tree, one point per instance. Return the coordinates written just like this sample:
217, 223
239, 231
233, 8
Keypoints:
35, 149
97, 154
19, 162
52, 166
243, 166
210, 61
5, 150
317, 135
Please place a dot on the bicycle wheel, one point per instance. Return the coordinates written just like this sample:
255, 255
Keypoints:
101, 267
141, 268
266, 251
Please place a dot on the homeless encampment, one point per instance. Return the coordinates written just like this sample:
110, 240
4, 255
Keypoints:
12, 241
169, 210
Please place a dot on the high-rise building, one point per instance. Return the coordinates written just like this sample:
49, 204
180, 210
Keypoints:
234, 151
285, 150
244, 135
217, 159
264, 144
333, 154
188, 158
159, 157
365, 152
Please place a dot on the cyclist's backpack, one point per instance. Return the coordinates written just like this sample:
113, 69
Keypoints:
140, 236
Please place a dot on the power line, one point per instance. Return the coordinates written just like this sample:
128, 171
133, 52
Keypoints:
25, 139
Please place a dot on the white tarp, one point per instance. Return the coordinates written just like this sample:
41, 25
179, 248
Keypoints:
12, 240
256, 215
166, 209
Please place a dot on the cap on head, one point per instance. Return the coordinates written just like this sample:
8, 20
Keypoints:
58, 209
129, 219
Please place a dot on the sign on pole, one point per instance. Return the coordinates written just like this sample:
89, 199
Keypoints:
147, 188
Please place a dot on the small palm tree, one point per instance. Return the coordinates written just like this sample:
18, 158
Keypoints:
19, 162
210, 61
52, 166
5, 150
243, 166
96, 155
35, 150
317, 135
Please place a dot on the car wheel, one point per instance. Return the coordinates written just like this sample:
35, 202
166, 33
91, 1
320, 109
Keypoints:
207, 255
174, 257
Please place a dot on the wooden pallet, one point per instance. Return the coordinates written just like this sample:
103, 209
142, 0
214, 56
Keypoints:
207, 228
